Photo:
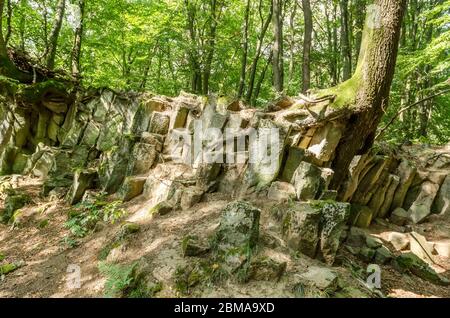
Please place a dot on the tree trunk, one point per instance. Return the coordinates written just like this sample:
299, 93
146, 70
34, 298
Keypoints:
196, 78
345, 41
261, 78
306, 73
264, 27
277, 60
54, 35
76, 51
244, 50
23, 4
367, 92
210, 47
7, 67
9, 13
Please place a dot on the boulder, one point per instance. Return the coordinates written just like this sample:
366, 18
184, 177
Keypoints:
334, 217
399, 241
399, 217
419, 246
82, 181
114, 165
442, 203
91, 134
191, 246
301, 225
361, 215
371, 180
132, 187
412, 263
190, 196
281, 192
266, 154
159, 124
266, 269
406, 172
152, 139
294, 158
306, 181
442, 248
383, 255
323, 278
325, 141
237, 235
142, 159
356, 237
421, 207
356, 173
179, 116
110, 134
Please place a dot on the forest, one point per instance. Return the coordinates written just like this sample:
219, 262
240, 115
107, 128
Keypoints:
254, 50
224, 149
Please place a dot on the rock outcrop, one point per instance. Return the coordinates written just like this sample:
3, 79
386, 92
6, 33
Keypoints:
171, 151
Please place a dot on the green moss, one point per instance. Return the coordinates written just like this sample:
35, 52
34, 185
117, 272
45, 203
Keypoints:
8, 86
8, 268
345, 93
43, 224
2, 257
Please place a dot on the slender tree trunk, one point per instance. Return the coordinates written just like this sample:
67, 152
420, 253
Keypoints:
345, 41
54, 35
7, 67
292, 45
210, 47
196, 80
23, 4
370, 85
330, 42
9, 13
76, 51
307, 42
335, 47
277, 60
261, 78
244, 50
264, 27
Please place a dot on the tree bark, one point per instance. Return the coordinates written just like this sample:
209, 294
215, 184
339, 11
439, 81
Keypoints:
277, 60
210, 46
264, 27
345, 41
76, 51
261, 78
244, 50
7, 67
307, 42
367, 92
54, 35
9, 13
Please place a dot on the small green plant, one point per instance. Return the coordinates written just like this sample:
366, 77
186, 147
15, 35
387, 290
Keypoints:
87, 214
69, 242
124, 281
119, 278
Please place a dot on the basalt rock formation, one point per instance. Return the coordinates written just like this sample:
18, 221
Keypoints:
134, 145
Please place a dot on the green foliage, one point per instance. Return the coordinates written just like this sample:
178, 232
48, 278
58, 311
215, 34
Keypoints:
119, 278
87, 214
123, 281
146, 45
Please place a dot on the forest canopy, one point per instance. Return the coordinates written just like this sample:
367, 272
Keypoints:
254, 50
